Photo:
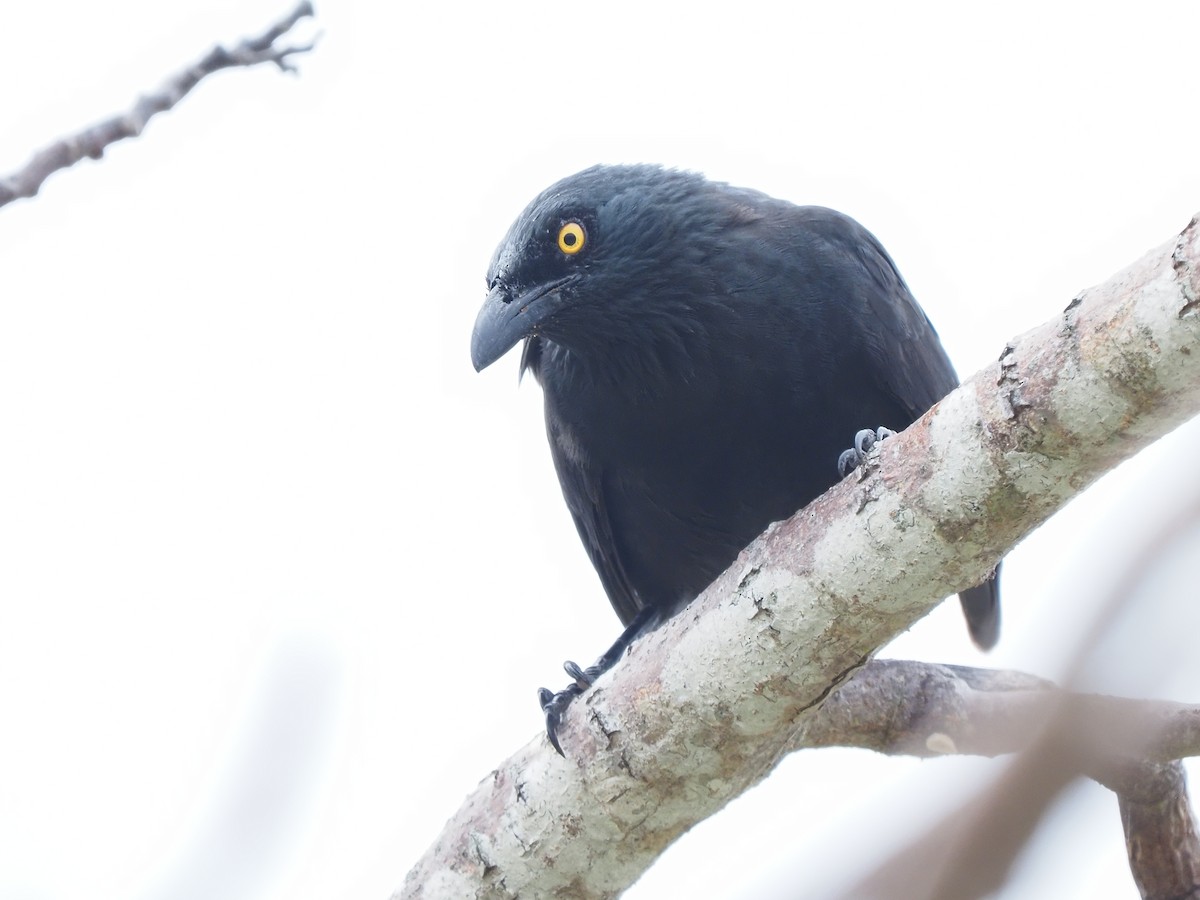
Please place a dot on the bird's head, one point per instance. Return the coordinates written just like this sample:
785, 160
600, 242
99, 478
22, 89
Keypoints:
597, 259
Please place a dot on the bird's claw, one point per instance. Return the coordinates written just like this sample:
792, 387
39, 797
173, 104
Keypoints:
554, 705
863, 442
582, 677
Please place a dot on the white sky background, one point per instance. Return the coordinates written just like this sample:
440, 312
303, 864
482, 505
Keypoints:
279, 573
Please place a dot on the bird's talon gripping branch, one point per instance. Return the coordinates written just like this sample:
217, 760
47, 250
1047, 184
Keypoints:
863, 442
847, 462
554, 705
581, 677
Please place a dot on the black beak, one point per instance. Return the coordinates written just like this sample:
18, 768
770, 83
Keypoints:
505, 319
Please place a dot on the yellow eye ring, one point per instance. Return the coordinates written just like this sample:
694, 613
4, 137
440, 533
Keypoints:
571, 238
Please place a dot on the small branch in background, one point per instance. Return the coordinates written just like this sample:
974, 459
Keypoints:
908, 708
93, 141
1112, 740
1132, 747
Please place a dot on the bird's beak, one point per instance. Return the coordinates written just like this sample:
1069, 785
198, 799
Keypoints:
505, 319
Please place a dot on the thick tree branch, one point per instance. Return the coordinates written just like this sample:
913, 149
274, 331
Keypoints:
93, 141
704, 707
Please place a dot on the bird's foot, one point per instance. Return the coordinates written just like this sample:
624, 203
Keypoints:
863, 441
554, 705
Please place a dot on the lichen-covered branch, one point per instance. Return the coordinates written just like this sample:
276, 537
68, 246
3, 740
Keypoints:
94, 140
705, 706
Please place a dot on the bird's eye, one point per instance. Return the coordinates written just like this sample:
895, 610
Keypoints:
571, 238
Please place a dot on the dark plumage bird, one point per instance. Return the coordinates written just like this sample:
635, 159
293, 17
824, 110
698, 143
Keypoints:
706, 354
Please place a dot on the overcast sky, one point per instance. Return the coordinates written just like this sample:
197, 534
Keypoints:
280, 574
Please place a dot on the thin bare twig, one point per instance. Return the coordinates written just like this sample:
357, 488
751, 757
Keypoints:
94, 140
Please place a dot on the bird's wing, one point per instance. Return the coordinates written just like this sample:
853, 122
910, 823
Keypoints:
838, 261
912, 367
583, 488
907, 358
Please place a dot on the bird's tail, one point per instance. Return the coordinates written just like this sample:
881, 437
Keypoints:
981, 606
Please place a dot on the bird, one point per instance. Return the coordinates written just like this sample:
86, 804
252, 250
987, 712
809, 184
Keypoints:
705, 352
